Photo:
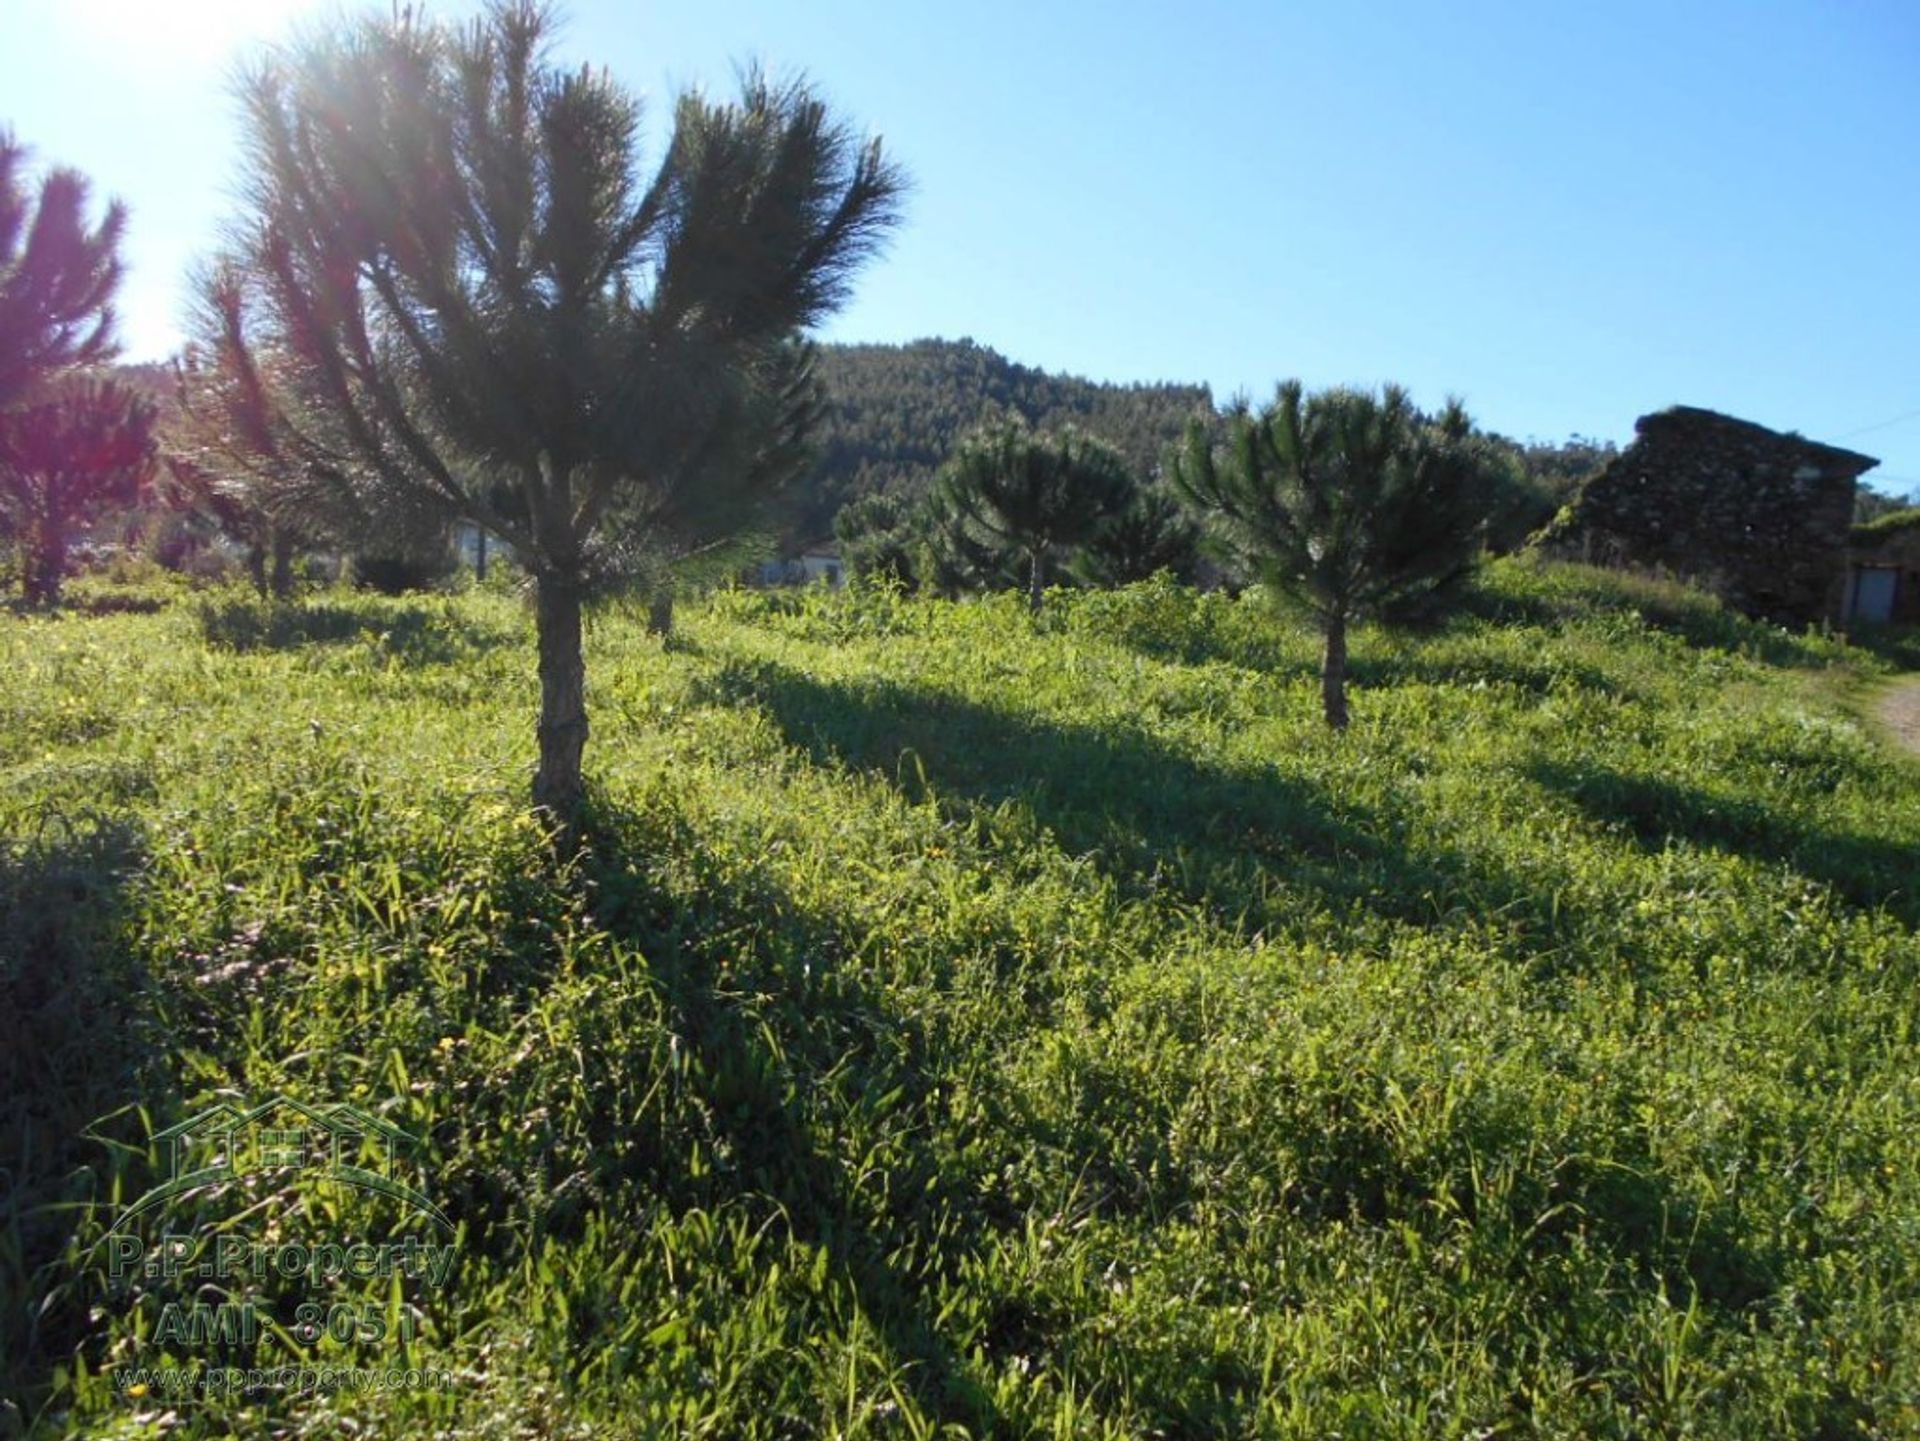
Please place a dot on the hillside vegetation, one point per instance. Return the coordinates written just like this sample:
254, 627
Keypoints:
895, 412
969, 1022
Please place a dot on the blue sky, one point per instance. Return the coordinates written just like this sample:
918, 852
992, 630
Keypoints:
1568, 214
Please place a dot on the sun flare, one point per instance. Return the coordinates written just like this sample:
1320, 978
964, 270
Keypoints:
211, 32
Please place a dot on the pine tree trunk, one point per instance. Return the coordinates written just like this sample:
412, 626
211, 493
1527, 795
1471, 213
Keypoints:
282, 577
1333, 672
46, 565
257, 567
1036, 577
479, 554
557, 787
660, 612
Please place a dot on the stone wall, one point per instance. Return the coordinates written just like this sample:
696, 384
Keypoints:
1760, 517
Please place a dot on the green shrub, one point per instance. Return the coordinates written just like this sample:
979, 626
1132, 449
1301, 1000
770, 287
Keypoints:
427, 569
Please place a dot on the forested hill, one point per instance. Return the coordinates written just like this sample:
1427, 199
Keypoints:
894, 411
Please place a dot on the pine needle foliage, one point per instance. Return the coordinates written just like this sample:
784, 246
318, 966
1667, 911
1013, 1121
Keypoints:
1151, 534
1351, 505
57, 276
476, 304
1035, 496
84, 448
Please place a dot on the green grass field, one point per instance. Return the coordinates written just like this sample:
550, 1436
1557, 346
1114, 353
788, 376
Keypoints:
963, 1023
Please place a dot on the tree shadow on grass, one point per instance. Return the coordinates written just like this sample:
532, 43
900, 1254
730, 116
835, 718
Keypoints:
762, 991
755, 986
1132, 801
1867, 871
1539, 674
74, 1050
1244, 839
413, 635
100, 602
1372, 667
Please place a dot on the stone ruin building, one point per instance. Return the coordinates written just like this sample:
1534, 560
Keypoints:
1883, 586
1760, 517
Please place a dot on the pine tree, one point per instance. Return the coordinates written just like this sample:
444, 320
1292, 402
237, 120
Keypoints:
732, 497
1153, 533
228, 460
57, 277
86, 448
880, 538
952, 558
1036, 496
479, 308
1351, 505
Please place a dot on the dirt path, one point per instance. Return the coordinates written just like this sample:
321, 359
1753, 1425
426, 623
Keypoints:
1900, 712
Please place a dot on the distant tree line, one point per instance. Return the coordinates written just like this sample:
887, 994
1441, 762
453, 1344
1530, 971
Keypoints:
895, 414
863, 467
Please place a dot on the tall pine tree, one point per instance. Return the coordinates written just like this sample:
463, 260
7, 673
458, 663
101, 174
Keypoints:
479, 306
57, 276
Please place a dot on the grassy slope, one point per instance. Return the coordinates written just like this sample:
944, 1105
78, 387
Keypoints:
962, 1025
